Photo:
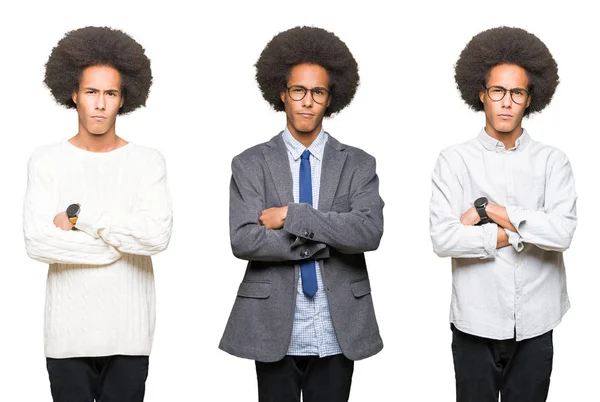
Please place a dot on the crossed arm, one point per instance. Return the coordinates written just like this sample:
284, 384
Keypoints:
498, 214
299, 231
104, 235
550, 229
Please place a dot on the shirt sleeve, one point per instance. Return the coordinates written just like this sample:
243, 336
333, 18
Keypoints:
144, 226
553, 227
44, 241
515, 240
451, 238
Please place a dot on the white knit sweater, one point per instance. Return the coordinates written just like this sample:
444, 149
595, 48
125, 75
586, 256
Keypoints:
100, 288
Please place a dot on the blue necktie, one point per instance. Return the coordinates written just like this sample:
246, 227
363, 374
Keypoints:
307, 269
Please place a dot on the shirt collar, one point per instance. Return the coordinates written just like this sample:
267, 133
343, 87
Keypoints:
492, 144
316, 149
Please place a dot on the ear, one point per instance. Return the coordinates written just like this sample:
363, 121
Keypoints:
74, 97
328, 101
282, 95
528, 102
122, 102
481, 95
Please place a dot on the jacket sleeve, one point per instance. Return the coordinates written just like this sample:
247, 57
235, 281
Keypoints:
250, 240
351, 232
553, 227
144, 228
450, 237
44, 241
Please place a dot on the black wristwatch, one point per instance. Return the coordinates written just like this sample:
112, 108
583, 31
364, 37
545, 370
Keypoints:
480, 205
73, 213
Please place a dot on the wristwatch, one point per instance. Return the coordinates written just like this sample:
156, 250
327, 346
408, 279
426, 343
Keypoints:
73, 213
480, 205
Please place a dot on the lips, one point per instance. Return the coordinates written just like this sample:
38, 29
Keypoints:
98, 118
306, 115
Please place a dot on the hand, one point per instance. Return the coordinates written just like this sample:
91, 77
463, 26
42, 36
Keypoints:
502, 238
273, 218
62, 221
470, 217
499, 215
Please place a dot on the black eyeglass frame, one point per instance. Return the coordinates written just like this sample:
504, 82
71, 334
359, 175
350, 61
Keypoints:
512, 91
312, 93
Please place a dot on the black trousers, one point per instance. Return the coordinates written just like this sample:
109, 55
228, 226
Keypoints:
103, 379
519, 371
326, 379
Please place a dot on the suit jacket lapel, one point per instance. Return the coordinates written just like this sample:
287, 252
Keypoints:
333, 163
279, 166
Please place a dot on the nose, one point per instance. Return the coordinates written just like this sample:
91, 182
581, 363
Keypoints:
307, 101
507, 100
100, 101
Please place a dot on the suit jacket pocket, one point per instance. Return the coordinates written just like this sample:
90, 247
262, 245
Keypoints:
256, 290
361, 287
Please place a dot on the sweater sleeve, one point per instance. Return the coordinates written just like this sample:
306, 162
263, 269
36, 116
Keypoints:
144, 227
45, 242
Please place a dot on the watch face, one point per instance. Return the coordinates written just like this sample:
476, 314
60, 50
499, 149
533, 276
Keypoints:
480, 202
72, 210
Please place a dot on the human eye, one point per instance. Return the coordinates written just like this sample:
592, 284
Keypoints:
497, 90
298, 90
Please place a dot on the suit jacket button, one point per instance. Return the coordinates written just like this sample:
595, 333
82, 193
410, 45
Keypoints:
306, 233
311, 235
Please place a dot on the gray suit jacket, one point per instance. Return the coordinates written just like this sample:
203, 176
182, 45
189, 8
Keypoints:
348, 222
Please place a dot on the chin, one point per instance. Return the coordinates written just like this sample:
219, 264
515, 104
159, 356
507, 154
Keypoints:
504, 129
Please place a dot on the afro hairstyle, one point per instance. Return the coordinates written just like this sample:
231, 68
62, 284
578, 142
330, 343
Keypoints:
504, 45
307, 45
93, 46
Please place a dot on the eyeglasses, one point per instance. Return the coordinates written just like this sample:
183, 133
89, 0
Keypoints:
297, 93
518, 95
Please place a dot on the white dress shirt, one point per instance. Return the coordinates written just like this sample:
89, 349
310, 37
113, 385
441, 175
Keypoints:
520, 289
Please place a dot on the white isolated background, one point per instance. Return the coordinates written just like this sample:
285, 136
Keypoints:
205, 107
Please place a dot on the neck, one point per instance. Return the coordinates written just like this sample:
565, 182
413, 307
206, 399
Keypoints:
97, 143
305, 138
509, 139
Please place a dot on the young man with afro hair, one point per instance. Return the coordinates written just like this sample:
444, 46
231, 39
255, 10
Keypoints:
503, 207
303, 210
96, 209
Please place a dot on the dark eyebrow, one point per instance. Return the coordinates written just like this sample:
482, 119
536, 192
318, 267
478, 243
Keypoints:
512, 89
97, 90
311, 89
